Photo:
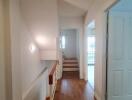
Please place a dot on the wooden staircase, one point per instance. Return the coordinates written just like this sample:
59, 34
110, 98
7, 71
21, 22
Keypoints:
70, 64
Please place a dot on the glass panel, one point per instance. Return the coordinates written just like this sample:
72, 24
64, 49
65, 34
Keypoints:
63, 42
91, 59
91, 50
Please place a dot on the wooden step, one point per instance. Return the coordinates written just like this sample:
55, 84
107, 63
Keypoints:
65, 61
70, 62
71, 65
70, 69
70, 58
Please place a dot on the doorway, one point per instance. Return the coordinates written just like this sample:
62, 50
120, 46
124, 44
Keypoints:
119, 66
91, 53
70, 50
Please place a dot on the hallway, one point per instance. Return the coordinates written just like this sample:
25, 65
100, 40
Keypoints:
70, 87
34, 50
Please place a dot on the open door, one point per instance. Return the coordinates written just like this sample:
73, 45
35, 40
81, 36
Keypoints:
119, 82
91, 59
90, 53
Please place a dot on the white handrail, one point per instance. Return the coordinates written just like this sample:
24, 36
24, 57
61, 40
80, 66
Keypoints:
33, 84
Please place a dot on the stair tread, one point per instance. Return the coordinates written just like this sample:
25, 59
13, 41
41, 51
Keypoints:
70, 58
70, 62
70, 67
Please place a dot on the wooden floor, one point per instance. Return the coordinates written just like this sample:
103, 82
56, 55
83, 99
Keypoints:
72, 88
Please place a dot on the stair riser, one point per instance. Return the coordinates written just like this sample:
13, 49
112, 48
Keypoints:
70, 61
70, 69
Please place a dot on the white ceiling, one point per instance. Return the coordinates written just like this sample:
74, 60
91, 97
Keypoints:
42, 21
68, 10
83, 4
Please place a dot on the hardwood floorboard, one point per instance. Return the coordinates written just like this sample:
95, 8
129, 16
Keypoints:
70, 87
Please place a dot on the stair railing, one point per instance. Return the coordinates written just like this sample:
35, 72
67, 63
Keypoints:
53, 80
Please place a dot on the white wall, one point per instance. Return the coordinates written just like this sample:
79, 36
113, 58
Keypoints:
70, 50
71, 22
26, 67
2, 62
48, 54
5, 54
97, 13
75, 23
42, 19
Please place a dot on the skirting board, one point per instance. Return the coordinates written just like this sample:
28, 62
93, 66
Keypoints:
97, 96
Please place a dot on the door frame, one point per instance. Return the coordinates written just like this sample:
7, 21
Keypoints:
79, 31
103, 21
89, 27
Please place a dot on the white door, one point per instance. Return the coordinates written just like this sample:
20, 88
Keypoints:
120, 56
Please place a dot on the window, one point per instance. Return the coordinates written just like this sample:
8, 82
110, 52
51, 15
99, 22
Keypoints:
91, 50
63, 42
